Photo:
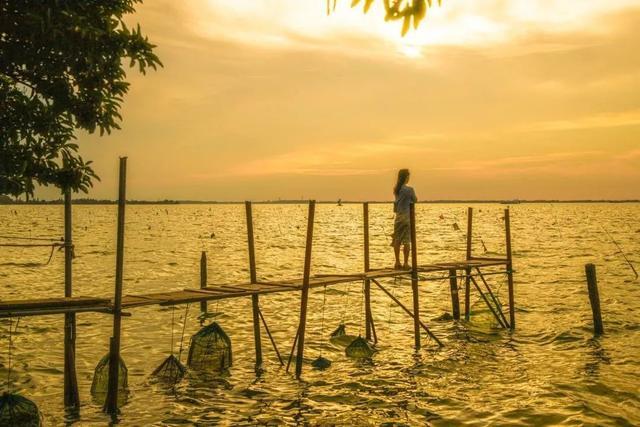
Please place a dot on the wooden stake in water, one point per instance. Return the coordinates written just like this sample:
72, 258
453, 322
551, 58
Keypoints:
467, 282
254, 279
203, 282
71, 395
594, 298
512, 307
414, 276
305, 288
455, 301
367, 282
111, 402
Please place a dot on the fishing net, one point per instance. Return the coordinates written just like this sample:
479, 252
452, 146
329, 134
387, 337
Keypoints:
100, 383
339, 332
18, 411
170, 371
210, 349
360, 349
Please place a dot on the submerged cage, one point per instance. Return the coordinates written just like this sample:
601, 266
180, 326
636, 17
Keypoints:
170, 371
17, 410
210, 349
360, 348
100, 383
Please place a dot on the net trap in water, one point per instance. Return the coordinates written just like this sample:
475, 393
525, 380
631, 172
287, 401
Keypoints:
210, 350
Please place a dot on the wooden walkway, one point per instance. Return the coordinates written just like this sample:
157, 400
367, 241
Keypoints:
35, 307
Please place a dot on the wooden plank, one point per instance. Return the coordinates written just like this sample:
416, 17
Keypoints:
7, 305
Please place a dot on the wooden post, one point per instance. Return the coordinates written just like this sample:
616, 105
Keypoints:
203, 281
455, 302
305, 288
111, 403
512, 307
594, 298
367, 282
71, 395
414, 276
255, 302
467, 282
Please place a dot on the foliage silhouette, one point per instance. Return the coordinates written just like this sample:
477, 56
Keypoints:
409, 11
61, 70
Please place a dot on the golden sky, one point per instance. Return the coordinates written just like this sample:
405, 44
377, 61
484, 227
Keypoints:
275, 99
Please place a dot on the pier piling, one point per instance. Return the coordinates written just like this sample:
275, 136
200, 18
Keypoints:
594, 298
203, 281
455, 301
512, 307
255, 302
111, 402
467, 281
367, 282
414, 276
71, 395
305, 288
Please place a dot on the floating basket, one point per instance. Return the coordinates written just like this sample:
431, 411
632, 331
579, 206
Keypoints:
171, 371
360, 349
100, 383
18, 411
210, 350
339, 332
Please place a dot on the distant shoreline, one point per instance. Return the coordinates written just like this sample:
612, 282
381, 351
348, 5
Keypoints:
7, 201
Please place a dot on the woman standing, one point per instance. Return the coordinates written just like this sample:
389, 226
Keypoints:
404, 196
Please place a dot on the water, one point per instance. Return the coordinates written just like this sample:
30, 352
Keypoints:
551, 370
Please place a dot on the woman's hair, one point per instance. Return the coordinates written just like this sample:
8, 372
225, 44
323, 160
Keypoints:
403, 176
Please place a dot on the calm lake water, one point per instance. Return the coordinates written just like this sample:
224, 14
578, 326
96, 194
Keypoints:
551, 370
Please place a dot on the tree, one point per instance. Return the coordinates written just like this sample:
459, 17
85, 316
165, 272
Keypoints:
62, 69
407, 10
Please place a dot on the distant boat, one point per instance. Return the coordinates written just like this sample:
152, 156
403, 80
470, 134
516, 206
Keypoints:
339, 202
511, 202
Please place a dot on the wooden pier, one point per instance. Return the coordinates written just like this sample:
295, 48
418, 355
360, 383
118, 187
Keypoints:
472, 270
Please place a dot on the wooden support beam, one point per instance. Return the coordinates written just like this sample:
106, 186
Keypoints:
402, 306
111, 402
71, 395
594, 298
493, 297
414, 276
467, 281
305, 288
255, 302
273, 342
293, 348
512, 304
367, 283
203, 281
484, 297
455, 301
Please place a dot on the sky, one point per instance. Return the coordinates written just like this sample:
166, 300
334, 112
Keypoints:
499, 99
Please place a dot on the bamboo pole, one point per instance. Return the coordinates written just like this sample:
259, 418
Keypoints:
305, 288
71, 395
512, 307
402, 306
467, 281
594, 298
453, 286
203, 281
255, 302
486, 301
111, 403
273, 341
367, 282
414, 276
493, 297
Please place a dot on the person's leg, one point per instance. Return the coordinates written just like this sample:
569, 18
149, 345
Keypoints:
396, 251
406, 249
